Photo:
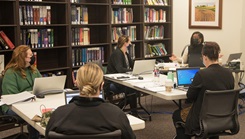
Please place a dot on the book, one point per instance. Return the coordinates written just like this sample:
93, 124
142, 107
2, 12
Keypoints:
15, 98
3, 45
7, 40
1, 64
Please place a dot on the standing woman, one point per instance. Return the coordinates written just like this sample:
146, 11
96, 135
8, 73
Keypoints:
19, 76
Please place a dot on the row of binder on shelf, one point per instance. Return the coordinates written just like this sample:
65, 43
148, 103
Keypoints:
34, 15
81, 56
130, 31
37, 38
154, 15
158, 49
156, 2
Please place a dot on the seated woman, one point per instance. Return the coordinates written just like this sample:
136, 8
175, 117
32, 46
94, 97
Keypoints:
87, 113
120, 62
191, 53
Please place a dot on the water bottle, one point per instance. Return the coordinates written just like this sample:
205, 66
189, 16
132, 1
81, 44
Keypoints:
170, 76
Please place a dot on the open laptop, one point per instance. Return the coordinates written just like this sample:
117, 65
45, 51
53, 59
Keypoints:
48, 85
233, 56
70, 94
143, 66
185, 77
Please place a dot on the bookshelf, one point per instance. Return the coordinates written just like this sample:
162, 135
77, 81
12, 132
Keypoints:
77, 31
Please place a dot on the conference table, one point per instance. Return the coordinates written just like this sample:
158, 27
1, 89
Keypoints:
27, 110
151, 85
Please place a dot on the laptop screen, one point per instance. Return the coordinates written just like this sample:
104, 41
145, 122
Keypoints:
70, 94
185, 75
49, 85
143, 66
233, 56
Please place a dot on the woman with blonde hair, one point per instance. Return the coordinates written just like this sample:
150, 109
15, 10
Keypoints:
18, 76
88, 113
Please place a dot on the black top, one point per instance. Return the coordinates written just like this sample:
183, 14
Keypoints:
89, 116
117, 62
212, 78
194, 56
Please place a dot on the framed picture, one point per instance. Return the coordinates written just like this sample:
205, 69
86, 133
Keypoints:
205, 14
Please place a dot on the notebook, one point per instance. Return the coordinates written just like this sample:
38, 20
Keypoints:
49, 85
70, 94
143, 66
233, 56
185, 76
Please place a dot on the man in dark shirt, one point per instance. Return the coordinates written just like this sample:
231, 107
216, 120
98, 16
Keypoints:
214, 77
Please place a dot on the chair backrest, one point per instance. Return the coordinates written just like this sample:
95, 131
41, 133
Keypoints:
110, 135
219, 114
186, 47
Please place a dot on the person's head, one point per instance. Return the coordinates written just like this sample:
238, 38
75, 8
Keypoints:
210, 53
22, 57
123, 42
90, 80
197, 38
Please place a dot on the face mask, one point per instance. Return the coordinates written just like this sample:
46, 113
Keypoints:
195, 42
33, 59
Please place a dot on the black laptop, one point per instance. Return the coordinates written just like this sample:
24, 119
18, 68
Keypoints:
70, 94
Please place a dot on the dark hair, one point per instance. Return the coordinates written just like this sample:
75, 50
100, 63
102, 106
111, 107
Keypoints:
200, 35
211, 50
122, 40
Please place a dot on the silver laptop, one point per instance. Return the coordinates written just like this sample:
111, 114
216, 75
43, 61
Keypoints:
233, 56
70, 94
143, 66
49, 85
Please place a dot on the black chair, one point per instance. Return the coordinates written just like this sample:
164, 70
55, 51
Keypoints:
111, 135
9, 122
219, 115
186, 47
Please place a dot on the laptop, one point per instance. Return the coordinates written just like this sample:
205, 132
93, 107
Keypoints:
185, 76
70, 94
48, 85
143, 66
233, 56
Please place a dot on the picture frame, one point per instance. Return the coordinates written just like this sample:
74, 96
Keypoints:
205, 14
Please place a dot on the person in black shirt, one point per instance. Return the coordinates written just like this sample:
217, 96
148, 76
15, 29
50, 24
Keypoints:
191, 53
213, 77
120, 62
87, 113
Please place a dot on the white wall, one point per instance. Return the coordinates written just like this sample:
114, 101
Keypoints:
229, 37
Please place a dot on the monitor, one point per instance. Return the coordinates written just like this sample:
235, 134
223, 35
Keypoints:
185, 75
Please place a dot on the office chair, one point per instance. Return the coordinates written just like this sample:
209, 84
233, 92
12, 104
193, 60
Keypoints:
111, 135
219, 115
9, 121
186, 47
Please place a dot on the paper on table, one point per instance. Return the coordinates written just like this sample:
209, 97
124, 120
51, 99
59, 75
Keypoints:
14, 98
151, 86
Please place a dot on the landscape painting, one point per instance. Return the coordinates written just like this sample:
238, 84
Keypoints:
205, 14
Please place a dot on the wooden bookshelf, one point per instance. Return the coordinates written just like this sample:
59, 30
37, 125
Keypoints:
97, 24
